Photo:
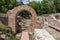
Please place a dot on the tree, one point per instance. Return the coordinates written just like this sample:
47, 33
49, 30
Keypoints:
6, 5
57, 5
36, 6
47, 6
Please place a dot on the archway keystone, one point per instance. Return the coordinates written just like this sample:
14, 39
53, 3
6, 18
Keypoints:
12, 17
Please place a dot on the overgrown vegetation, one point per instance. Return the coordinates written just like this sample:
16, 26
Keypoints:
6, 5
25, 14
4, 27
8, 32
44, 7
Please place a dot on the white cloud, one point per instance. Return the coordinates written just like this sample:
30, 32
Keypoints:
26, 1
35, 0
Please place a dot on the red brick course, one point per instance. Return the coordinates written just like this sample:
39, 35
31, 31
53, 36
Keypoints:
12, 17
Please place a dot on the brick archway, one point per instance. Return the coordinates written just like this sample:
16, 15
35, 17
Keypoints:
12, 17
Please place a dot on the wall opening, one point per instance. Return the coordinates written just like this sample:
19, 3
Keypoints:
23, 20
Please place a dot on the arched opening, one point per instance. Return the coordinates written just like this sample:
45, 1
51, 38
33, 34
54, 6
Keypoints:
12, 17
23, 20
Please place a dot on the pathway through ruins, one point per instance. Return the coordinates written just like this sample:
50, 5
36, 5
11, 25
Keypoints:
25, 35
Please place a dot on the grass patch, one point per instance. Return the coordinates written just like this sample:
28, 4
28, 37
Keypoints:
31, 37
24, 27
2, 14
4, 27
46, 14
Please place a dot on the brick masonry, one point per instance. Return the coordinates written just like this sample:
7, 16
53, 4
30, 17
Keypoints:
12, 17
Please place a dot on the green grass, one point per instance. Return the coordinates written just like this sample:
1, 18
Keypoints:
24, 27
46, 14
31, 37
4, 27
2, 14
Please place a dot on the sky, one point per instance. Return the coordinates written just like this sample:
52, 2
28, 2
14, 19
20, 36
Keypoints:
26, 1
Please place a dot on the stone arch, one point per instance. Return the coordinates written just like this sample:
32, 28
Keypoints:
12, 14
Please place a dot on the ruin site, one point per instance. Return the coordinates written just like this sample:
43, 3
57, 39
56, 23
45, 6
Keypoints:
31, 21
